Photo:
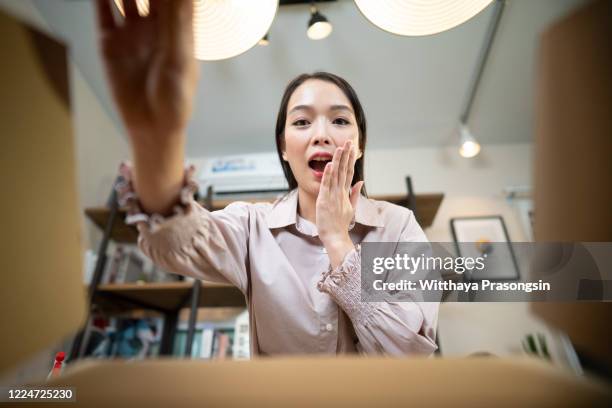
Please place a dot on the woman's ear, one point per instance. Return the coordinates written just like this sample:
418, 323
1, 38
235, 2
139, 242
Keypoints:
282, 147
359, 154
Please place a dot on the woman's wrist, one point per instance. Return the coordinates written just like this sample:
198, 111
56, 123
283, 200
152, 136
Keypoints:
337, 248
154, 139
158, 173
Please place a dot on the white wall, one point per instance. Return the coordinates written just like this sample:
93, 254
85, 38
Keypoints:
471, 186
100, 149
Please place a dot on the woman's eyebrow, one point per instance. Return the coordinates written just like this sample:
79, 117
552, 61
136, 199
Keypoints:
341, 107
301, 107
310, 108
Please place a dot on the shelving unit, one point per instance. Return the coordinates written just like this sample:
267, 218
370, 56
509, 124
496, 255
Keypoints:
167, 298
164, 296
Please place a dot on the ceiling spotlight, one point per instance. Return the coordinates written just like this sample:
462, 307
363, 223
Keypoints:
225, 28
419, 17
318, 26
265, 40
469, 146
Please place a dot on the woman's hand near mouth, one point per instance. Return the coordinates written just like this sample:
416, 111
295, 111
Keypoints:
335, 206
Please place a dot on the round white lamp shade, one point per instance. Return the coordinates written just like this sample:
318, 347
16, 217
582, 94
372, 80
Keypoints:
419, 17
225, 28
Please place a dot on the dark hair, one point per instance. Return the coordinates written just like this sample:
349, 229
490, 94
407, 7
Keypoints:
282, 118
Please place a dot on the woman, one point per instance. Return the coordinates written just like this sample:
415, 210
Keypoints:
298, 260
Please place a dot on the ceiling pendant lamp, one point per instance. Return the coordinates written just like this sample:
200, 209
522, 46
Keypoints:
419, 17
225, 28
318, 25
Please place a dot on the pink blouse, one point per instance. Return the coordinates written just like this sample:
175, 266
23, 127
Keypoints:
297, 304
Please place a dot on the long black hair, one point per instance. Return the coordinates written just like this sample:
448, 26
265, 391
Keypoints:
350, 93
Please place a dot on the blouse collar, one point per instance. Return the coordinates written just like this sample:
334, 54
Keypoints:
284, 212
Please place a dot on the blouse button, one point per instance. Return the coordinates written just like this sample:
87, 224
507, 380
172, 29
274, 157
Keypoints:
329, 327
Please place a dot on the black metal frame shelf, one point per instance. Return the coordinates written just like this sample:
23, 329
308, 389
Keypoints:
165, 298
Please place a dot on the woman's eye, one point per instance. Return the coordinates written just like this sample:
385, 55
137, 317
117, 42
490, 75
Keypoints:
341, 121
300, 123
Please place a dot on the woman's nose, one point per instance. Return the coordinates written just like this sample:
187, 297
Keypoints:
321, 135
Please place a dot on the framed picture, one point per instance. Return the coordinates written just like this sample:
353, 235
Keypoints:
486, 237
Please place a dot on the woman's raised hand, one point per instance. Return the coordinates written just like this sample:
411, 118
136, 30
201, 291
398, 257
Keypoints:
153, 74
150, 64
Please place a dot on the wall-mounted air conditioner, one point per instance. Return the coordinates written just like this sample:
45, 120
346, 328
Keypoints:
243, 175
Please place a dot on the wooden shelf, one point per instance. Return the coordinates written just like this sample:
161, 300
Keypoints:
164, 296
121, 233
427, 205
427, 208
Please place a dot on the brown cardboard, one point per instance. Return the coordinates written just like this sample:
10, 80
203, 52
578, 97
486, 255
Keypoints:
42, 292
573, 160
332, 382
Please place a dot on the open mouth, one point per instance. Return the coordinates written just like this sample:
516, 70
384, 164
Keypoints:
318, 164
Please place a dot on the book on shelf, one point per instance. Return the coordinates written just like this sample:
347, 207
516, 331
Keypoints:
125, 337
206, 344
224, 336
127, 264
89, 265
219, 333
224, 346
241, 349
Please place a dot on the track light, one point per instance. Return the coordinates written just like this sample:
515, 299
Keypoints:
318, 26
469, 146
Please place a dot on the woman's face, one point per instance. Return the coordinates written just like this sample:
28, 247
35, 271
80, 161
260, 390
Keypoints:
320, 119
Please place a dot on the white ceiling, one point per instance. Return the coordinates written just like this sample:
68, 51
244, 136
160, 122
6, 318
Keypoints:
412, 88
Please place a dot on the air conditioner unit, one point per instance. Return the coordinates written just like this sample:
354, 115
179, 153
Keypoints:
257, 174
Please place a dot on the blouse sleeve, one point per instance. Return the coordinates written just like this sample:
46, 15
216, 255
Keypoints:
194, 242
394, 328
